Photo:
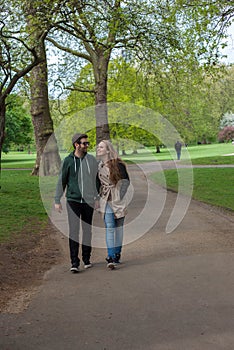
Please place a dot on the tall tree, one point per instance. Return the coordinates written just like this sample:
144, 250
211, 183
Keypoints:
188, 98
39, 19
48, 157
17, 55
156, 31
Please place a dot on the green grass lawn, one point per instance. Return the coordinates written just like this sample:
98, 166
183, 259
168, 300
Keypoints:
20, 202
200, 154
211, 185
217, 154
216, 149
19, 160
215, 160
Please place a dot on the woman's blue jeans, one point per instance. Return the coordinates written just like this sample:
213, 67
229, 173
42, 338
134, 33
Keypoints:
114, 232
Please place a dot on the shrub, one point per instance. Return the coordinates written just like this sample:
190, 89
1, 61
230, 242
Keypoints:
226, 134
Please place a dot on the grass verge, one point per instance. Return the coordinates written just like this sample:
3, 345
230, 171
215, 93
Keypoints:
17, 160
218, 160
20, 203
211, 185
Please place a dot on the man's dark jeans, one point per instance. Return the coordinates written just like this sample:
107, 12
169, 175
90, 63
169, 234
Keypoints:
79, 213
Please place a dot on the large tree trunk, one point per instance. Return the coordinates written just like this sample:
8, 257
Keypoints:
101, 112
2, 129
48, 158
158, 149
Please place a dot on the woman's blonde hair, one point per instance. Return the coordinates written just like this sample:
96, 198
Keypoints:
113, 161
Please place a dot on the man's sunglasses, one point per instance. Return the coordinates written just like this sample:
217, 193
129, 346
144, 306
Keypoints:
86, 143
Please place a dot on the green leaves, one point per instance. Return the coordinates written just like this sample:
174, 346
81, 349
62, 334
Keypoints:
19, 130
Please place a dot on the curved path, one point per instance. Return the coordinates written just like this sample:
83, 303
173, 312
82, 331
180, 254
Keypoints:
172, 292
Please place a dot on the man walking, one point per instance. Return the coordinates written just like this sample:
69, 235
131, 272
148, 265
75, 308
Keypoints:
178, 146
79, 178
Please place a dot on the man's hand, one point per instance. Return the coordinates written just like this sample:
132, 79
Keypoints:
58, 207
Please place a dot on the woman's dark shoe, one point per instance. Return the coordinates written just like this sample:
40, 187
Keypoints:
110, 263
117, 258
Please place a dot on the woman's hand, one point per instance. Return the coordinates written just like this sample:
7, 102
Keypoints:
96, 205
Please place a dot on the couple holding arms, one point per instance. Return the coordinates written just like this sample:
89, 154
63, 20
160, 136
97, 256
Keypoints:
91, 185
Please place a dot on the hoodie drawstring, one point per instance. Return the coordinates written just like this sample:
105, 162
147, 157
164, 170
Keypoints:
75, 163
87, 165
81, 175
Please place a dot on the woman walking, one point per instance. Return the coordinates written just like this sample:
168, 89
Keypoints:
114, 181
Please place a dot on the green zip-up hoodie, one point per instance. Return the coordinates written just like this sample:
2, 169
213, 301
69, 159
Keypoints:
79, 178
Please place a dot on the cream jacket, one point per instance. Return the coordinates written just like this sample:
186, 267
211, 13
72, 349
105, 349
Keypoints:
113, 194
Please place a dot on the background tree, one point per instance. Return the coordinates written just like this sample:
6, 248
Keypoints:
156, 31
39, 16
17, 55
126, 85
19, 129
188, 98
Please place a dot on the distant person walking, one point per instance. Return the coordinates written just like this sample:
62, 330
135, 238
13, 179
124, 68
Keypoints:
79, 178
114, 181
178, 146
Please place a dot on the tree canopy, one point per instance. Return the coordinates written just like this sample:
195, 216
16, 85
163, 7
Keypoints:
170, 50
19, 129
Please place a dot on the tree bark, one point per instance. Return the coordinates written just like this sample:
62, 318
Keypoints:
2, 129
47, 152
100, 65
158, 149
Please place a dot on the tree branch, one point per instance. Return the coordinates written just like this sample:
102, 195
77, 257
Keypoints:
76, 88
114, 24
86, 22
69, 50
20, 74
